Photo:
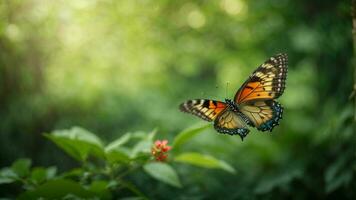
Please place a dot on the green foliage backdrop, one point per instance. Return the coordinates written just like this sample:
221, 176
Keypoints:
114, 67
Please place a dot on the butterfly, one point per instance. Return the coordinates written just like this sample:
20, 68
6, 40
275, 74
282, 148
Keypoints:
254, 103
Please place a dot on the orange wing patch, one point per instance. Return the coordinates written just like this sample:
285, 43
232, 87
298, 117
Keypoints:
256, 90
267, 82
203, 108
217, 106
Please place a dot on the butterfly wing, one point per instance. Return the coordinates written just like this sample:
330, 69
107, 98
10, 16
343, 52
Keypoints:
203, 108
232, 123
264, 115
266, 82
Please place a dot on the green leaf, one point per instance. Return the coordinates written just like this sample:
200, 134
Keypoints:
118, 142
162, 172
78, 143
269, 183
38, 175
337, 175
152, 135
143, 146
100, 188
343, 179
139, 135
74, 173
205, 161
21, 167
51, 172
120, 155
187, 134
113, 184
5, 180
8, 176
57, 189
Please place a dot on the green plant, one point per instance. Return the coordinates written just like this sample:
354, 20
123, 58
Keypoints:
105, 169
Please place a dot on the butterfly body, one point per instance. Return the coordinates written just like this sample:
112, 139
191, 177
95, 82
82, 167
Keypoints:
233, 106
254, 103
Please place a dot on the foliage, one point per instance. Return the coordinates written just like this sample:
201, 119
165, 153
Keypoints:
105, 169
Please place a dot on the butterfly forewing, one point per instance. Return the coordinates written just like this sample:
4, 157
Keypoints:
266, 82
203, 108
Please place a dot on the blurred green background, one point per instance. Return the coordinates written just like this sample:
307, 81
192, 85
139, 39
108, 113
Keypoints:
120, 66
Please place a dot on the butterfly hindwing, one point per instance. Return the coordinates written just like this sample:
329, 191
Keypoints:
203, 108
230, 122
266, 82
264, 115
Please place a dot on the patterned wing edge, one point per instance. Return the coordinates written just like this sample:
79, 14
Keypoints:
203, 108
281, 60
274, 121
241, 131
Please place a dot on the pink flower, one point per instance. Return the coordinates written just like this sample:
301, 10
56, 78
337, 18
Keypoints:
160, 150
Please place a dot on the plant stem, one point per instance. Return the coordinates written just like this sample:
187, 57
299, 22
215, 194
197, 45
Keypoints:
131, 169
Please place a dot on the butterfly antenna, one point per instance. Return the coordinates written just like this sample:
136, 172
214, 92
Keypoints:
226, 91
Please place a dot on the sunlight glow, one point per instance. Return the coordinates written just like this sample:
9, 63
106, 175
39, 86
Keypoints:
196, 19
233, 7
13, 32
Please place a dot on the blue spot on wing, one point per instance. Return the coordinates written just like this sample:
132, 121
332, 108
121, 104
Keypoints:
274, 121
